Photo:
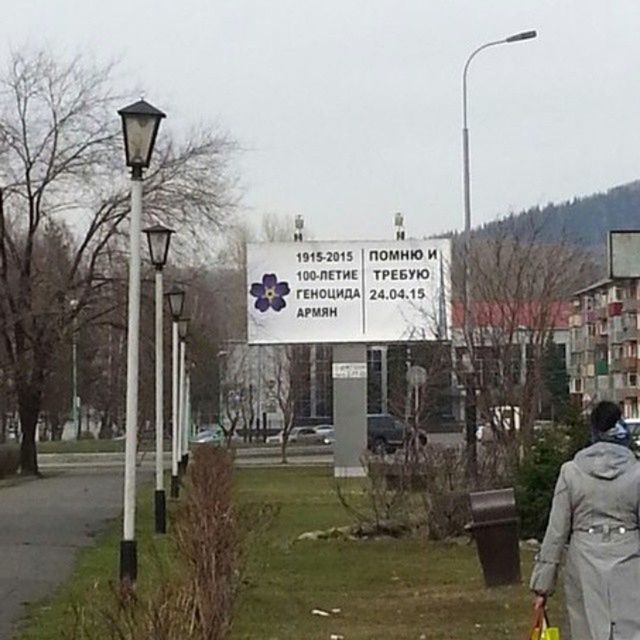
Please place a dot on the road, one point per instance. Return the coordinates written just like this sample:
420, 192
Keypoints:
255, 456
43, 524
298, 455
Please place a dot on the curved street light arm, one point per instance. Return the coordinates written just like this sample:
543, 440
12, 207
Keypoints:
464, 74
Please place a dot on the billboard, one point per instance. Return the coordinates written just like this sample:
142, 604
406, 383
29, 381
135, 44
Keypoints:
313, 292
624, 254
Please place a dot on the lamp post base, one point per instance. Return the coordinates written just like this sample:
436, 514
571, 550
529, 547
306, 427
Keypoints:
128, 562
185, 462
161, 511
175, 486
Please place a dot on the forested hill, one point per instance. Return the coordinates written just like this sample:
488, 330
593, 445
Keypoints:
582, 221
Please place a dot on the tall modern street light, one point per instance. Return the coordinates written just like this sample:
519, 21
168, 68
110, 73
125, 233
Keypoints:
158, 239
183, 331
176, 306
140, 123
470, 417
73, 304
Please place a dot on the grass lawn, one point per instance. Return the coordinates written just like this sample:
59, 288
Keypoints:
384, 588
398, 589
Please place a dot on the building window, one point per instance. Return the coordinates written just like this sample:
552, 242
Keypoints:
324, 382
301, 380
374, 380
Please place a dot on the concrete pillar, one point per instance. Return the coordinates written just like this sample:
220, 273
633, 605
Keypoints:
350, 409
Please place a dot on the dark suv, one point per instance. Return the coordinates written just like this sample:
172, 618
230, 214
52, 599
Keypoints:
385, 433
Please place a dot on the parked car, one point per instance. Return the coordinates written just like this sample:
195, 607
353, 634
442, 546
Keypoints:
633, 424
385, 433
211, 434
327, 434
323, 432
299, 435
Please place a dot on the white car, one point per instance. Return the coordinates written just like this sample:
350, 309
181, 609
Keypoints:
633, 424
326, 434
297, 434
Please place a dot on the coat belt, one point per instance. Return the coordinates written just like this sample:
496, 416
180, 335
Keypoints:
607, 529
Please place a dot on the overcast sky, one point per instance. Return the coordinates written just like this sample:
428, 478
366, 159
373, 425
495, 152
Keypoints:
349, 110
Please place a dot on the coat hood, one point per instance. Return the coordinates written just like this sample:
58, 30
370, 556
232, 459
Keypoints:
604, 460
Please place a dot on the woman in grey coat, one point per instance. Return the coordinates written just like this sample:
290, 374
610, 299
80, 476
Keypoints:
596, 512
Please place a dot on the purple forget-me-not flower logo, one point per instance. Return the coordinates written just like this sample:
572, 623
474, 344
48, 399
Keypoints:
270, 293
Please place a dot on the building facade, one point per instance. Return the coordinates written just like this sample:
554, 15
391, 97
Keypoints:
604, 344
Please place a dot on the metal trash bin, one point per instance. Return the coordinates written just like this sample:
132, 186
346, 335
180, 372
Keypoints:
495, 528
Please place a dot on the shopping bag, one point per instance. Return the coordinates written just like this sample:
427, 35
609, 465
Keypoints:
541, 629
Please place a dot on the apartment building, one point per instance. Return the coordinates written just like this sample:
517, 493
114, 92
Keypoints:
604, 344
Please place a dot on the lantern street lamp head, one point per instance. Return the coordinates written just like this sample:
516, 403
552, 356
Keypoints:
140, 123
176, 302
158, 238
183, 328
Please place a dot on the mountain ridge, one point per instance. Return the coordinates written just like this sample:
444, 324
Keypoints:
583, 221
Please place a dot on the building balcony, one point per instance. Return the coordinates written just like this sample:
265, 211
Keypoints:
622, 393
630, 364
601, 313
630, 304
577, 345
630, 334
614, 309
617, 336
617, 365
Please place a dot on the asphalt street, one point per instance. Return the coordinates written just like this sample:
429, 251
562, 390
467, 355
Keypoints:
43, 524
260, 456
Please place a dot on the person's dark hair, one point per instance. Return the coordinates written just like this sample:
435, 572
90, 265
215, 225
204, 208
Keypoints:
605, 415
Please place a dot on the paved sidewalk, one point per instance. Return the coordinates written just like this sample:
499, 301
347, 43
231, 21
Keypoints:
43, 523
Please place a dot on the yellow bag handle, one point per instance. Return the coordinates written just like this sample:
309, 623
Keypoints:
539, 622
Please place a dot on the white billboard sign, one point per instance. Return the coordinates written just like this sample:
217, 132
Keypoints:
310, 292
624, 254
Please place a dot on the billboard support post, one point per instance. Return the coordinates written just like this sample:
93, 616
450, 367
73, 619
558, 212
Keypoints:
350, 409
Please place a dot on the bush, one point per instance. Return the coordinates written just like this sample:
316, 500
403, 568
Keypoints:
87, 435
194, 598
536, 479
425, 491
9, 460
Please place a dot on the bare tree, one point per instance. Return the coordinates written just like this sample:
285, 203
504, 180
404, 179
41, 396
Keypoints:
289, 371
519, 291
61, 163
